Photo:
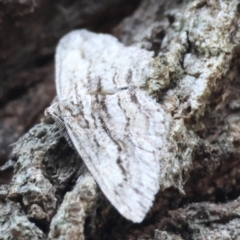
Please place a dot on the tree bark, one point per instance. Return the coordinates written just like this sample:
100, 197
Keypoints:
53, 196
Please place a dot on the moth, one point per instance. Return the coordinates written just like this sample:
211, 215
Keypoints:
117, 128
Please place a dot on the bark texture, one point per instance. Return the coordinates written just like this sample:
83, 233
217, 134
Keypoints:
51, 194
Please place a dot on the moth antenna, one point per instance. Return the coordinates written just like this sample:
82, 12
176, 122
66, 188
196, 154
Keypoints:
69, 141
60, 124
53, 112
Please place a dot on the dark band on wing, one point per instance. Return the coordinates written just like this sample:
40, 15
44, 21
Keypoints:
120, 164
129, 76
105, 128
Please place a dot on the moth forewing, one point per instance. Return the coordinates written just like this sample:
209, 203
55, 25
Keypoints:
117, 128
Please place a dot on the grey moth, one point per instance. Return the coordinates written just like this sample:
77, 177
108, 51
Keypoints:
117, 128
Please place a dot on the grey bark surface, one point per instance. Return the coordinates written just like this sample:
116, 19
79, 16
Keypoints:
53, 196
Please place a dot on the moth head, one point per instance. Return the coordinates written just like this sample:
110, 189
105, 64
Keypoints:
47, 112
52, 110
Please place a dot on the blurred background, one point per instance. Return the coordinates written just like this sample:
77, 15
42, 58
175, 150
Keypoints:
29, 32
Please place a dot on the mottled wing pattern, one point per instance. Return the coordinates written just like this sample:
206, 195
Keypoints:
117, 128
87, 62
119, 138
